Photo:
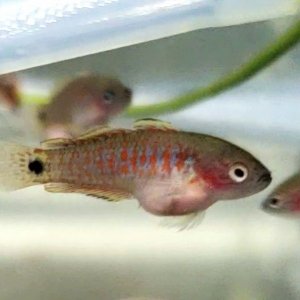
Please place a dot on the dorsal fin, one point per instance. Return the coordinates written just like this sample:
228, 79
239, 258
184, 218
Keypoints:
98, 131
93, 132
56, 143
150, 123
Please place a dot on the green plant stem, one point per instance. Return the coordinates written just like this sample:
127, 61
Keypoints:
267, 56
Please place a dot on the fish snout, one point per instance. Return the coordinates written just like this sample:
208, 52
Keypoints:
128, 93
265, 178
271, 205
265, 205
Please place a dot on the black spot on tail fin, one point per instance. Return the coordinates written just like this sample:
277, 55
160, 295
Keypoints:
36, 166
14, 167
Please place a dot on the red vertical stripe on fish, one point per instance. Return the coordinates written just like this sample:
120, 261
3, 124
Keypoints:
166, 168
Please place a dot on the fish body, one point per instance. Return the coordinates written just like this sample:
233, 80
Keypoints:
146, 166
170, 172
285, 199
83, 102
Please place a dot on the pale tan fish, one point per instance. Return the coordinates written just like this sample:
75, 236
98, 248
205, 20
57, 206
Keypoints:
83, 102
170, 172
285, 199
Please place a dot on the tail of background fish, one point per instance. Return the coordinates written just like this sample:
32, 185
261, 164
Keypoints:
14, 167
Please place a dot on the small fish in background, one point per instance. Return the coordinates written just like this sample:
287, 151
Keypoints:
170, 172
84, 102
9, 92
285, 199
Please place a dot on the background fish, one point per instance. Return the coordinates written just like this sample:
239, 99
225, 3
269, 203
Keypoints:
83, 102
9, 91
285, 199
170, 173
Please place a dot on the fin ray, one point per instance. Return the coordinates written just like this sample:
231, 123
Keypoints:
94, 132
149, 123
99, 131
56, 143
98, 192
14, 172
185, 222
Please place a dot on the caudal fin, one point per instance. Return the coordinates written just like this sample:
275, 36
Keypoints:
14, 170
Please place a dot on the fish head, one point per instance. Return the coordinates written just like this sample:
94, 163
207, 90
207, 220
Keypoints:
98, 99
108, 96
231, 172
86, 101
285, 199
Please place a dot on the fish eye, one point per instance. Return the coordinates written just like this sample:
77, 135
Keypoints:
109, 96
238, 173
274, 202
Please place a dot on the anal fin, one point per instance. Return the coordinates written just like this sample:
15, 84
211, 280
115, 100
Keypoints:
98, 192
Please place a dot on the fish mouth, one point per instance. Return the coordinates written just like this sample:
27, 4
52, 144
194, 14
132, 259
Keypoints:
265, 178
264, 206
128, 93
